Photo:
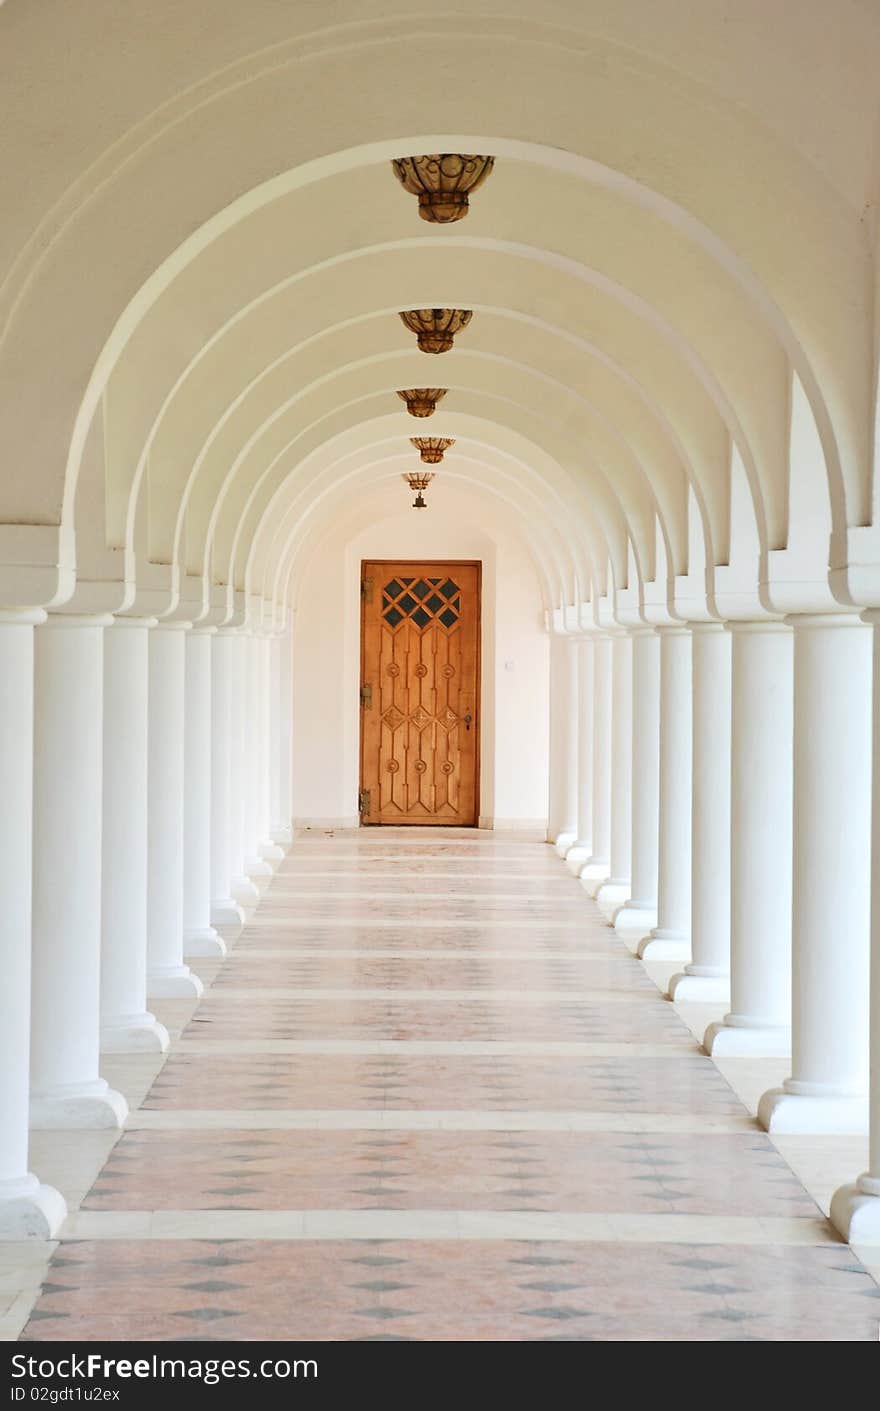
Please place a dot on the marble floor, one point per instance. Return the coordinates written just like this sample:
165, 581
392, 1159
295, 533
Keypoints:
430, 1096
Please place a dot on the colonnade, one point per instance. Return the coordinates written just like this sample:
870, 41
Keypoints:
741, 754
144, 783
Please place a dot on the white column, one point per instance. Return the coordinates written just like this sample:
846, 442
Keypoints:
224, 910
855, 1208
638, 916
831, 876
167, 975
199, 936
66, 1089
255, 864
595, 870
615, 889
28, 1209
282, 737
126, 1024
707, 977
562, 818
580, 850
760, 844
671, 937
268, 849
243, 889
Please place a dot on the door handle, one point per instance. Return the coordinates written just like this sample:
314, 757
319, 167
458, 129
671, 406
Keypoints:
467, 720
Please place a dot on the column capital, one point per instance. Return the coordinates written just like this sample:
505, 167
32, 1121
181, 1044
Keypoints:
142, 622
707, 629
758, 625
22, 617
673, 629
165, 625
78, 619
805, 621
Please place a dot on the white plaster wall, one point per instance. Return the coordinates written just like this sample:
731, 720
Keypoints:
459, 524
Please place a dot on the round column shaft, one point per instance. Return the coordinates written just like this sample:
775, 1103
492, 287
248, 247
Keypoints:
243, 889
127, 1026
638, 916
268, 848
760, 843
66, 1088
671, 938
562, 817
707, 977
225, 911
595, 870
28, 1209
167, 975
855, 1208
199, 936
828, 1087
255, 864
615, 889
282, 741
580, 850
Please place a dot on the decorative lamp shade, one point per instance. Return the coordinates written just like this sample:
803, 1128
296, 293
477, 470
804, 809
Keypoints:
422, 401
431, 448
435, 329
418, 481
442, 181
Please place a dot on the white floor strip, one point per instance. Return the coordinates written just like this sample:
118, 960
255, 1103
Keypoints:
484, 995
427, 953
450, 1048
444, 1225
578, 924
379, 1119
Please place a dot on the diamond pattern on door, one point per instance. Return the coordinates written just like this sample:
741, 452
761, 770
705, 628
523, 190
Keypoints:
420, 657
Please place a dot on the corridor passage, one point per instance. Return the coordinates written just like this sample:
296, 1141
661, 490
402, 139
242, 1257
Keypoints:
430, 1095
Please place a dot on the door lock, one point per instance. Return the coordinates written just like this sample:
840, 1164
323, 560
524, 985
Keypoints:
467, 720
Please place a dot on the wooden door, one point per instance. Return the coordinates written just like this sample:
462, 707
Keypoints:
420, 661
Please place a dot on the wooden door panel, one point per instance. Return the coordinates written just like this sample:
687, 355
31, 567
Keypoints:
420, 682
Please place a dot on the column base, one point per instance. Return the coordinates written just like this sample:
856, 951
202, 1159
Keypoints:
133, 1033
173, 982
69, 1106
662, 944
563, 841
30, 1210
855, 1211
226, 912
733, 1037
610, 896
635, 920
593, 874
577, 857
204, 941
788, 1110
244, 891
255, 866
270, 851
282, 834
699, 985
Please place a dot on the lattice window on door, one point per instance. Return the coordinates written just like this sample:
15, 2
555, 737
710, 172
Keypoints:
422, 601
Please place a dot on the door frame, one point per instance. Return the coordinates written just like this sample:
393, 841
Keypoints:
478, 683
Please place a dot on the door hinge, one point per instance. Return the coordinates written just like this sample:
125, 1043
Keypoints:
367, 589
367, 697
364, 801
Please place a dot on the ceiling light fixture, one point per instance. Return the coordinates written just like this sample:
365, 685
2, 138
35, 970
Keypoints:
418, 481
422, 401
431, 448
442, 181
435, 329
